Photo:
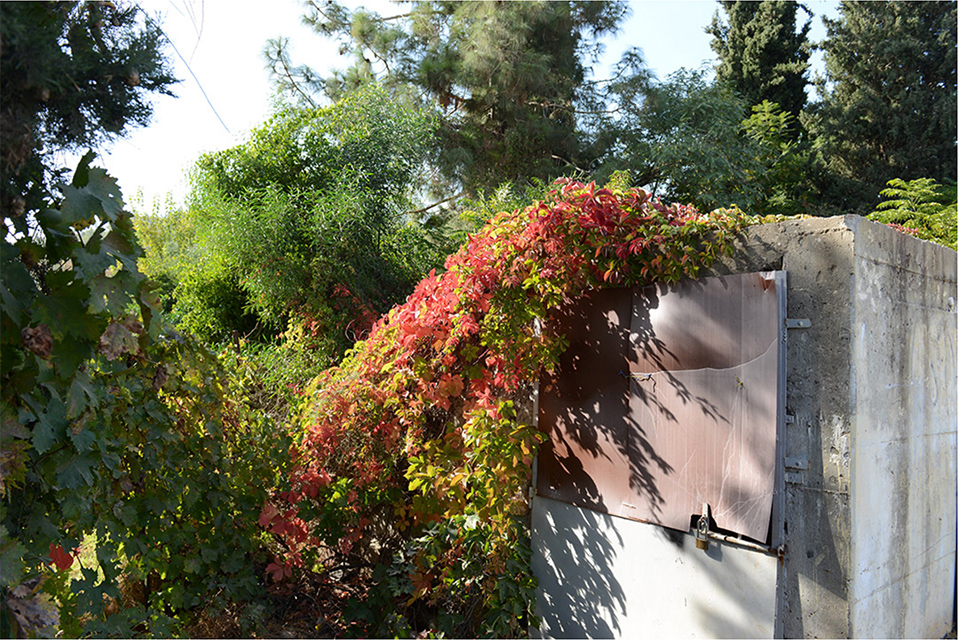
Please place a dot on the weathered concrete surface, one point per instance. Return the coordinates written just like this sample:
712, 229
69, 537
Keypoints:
904, 445
871, 524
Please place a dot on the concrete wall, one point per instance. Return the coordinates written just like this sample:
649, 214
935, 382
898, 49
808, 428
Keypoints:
870, 517
872, 520
903, 450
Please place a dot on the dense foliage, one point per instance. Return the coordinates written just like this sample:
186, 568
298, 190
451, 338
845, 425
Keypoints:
762, 55
413, 456
506, 77
922, 208
688, 140
888, 106
74, 75
521, 72
118, 431
152, 486
310, 224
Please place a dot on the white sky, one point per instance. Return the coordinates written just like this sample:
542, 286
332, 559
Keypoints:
222, 41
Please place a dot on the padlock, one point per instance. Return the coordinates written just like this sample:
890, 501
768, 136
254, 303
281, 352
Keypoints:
703, 529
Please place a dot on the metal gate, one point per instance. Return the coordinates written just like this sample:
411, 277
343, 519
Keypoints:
665, 416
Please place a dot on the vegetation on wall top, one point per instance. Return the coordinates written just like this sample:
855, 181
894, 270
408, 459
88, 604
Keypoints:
414, 453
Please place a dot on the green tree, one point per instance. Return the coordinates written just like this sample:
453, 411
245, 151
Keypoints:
786, 167
923, 207
169, 241
762, 54
74, 74
314, 221
113, 429
506, 77
888, 103
686, 140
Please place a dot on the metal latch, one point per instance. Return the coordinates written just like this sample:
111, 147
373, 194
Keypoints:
794, 468
798, 323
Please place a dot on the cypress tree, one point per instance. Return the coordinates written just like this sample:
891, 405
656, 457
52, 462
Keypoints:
888, 104
762, 54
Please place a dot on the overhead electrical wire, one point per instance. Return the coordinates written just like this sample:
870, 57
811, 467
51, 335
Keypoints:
187, 65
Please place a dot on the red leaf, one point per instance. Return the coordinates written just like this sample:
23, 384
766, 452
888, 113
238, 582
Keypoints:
267, 515
278, 572
60, 558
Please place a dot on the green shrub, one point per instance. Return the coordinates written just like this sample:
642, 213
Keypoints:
922, 208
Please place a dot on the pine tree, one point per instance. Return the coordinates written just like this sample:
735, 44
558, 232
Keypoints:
888, 104
505, 76
762, 55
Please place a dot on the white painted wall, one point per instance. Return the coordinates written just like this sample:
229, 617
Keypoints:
603, 576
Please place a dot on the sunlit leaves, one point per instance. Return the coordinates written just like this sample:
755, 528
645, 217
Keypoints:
921, 207
304, 226
426, 420
114, 426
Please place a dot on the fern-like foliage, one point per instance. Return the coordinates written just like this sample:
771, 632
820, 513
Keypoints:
922, 207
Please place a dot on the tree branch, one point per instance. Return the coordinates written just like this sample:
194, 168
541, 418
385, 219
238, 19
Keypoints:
435, 204
289, 75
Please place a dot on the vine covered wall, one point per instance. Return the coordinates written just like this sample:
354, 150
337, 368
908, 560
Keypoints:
411, 462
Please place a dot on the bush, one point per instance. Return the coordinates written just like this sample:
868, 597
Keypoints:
117, 429
413, 457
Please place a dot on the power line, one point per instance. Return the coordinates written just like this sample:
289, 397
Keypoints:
199, 86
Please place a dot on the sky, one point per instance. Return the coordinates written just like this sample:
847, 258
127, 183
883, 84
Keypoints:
226, 90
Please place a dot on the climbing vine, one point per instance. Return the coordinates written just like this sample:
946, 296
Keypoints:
413, 457
118, 436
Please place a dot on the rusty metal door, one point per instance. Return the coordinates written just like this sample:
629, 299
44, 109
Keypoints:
668, 399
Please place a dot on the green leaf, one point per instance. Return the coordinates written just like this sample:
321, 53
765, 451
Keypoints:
104, 187
10, 426
109, 294
82, 174
91, 264
117, 340
209, 553
50, 426
65, 309
80, 395
82, 438
124, 511
12, 554
150, 307
70, 352
76, 470
123, 246
79, 208
17, 288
